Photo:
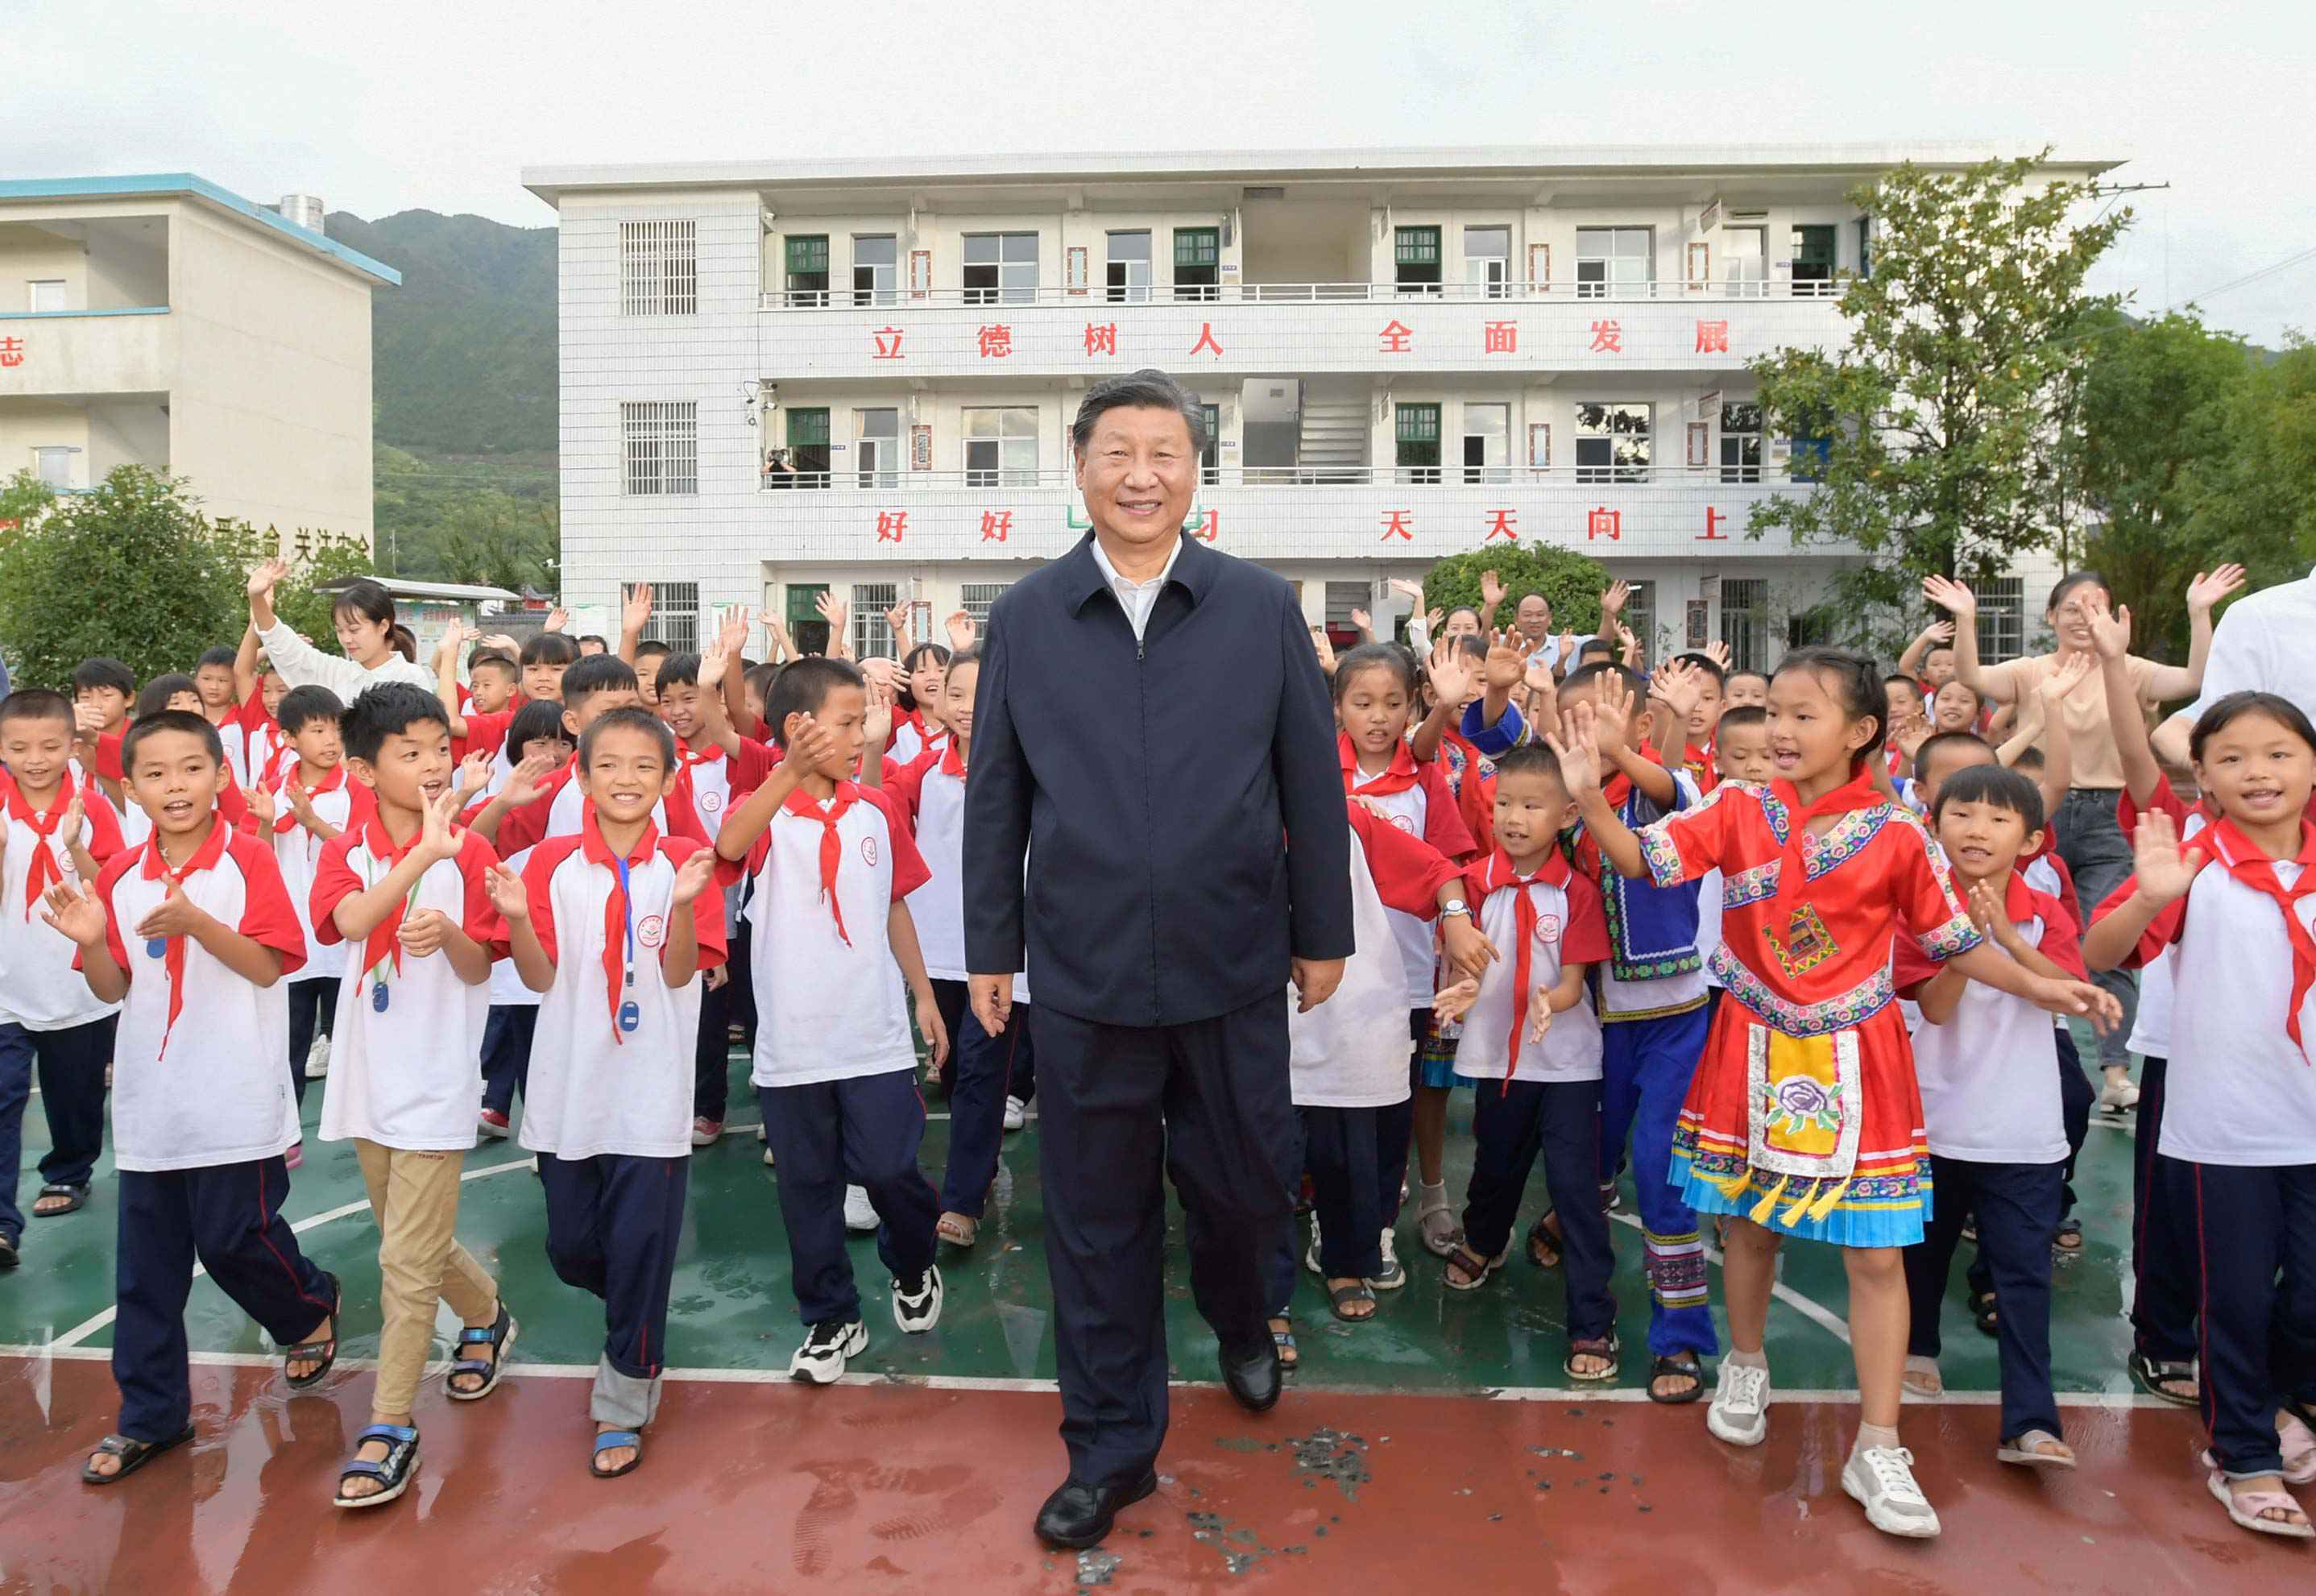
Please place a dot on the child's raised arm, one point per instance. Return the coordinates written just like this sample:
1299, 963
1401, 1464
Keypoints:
244, 666
2162, 872
1935, 634
446, 676
635, 614
678, 956
1580, 771
76, 911
2125, 719
809, 745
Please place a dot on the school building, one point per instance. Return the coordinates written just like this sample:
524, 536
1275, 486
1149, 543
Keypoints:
785, 378
163, 321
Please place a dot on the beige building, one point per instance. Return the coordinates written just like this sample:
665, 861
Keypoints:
163, 321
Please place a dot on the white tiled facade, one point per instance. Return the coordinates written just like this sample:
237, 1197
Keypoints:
716, 318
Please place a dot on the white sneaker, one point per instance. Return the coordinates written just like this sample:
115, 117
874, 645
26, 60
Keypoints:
770, 1162
860, 1213
1311, 1255
918, 1312
826, 1346
1882, 1478
1739, 1413
1393, 1275
1016, 1113
705, 1132
318, 1058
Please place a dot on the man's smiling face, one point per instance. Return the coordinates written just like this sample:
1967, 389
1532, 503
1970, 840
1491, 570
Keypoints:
1137, 473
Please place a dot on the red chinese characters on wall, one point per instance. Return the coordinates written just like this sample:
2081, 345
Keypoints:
1395, 338
996, 525
995, 342
1397, 523
1607, 338
1101, 338
1711, 337
891, 524
1207, 344
1500, 525
888, 342
1601, 522
12, 351
1499, 337
1713, 520
1208, 524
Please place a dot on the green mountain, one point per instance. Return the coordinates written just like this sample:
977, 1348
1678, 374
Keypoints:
463, 353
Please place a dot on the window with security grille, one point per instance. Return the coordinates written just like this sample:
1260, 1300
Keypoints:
674, 615
808, 452
2001, 619
1342, 598
1641, 616
978, 597
660, 447
1745, 622
872, 634
1415, 439
659, 268
1197, 262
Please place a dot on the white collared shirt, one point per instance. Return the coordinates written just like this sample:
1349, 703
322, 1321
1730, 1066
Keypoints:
1137, 598
2267, 641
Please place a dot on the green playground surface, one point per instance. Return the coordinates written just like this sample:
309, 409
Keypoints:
732, 1308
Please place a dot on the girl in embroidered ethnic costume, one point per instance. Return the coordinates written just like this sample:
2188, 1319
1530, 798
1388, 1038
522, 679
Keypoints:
1804, 1118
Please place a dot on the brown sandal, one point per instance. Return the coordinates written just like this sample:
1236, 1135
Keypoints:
1476, 1268
958, 1230
1597, 1346
1544, 1242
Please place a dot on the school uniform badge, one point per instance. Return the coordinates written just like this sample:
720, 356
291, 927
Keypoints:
868, 851
651, 930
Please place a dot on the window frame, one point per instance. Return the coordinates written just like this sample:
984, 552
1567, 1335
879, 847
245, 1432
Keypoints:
1741, 469
1486, 471
674, 618
1411, 272
2001, 624
886, 291
1195, 278
1745, 627
1613, 470
1118, 274
1007, 472
1606, 283
1407, 440
659, 267
818, 470
880, 475
659, 448
867, 603
798, 284
1492, 286
999, 291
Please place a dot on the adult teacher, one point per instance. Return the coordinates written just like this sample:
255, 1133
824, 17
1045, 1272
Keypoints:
2091, 839
1150, 723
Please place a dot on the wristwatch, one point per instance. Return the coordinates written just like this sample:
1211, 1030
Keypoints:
1454, 906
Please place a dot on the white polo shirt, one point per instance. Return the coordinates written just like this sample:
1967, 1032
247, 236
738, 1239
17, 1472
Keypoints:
911, 740
211, 1086
39, 989
1570, 927
409, 1075
1990, 1074
830, 1006
931, 793
298, 852
594, 1089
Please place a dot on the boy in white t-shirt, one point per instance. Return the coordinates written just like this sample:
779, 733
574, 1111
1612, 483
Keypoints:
409, 897
613, 927
835, 1069
1532, 1046
538, 736
1988, 1064
50, 1021
203, 1110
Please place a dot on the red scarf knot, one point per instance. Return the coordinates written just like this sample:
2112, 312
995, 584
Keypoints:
801, 804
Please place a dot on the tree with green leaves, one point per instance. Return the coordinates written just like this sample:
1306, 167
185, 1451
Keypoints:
1571, 582
24, 499
1935, 434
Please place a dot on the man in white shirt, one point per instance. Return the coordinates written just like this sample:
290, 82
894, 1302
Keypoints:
2265, 642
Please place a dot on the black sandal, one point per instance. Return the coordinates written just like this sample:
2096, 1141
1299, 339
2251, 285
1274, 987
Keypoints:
1340, 1296
326, 1350
2067, 1241
1982, 1313
134, 1455
9, 1256
393, 1471
611, 1440
499, 1337
77, 1196
1679, 1365
1596, 1346
2153, 1373
1543, 1242
1284, 1340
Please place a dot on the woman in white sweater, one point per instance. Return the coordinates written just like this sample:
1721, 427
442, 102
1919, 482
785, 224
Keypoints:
363, 617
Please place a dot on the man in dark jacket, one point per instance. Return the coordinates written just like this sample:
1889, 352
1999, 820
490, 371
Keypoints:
1153, 733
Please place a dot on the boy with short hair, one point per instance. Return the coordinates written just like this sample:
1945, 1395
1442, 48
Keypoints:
1703, 715
202, 1112
104, 692
835, 1069
213, 679
534, 804
298, 813
411, 896
1745, 690
49, 1018
613, 925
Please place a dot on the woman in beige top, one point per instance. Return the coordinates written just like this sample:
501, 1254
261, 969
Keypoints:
2089, 837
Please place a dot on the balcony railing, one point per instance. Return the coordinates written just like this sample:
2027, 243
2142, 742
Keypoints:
1000, 479
1302, 293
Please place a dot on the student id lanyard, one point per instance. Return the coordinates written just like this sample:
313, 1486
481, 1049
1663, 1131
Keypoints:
631, 1014
380, 992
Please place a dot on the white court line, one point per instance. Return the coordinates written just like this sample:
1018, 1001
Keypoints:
1816, 1312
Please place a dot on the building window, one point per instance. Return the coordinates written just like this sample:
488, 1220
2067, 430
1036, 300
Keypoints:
1197, 262
1130, 268
807, 630
1415, 430
1001, 448
1488, 261
675, 616
807, 273
659, 268
1740, 441
47, 294
1745, 622
1416, 257
808, 452
1865, 247
1487, 442
977, 596
875, 266
2001, 619
877, 447
1744, 265
1000, 268
1641, 616
1342, 598
1210, 467
55, 466
1813, 260
872, 634
661, 445
1612, 442
1617, 263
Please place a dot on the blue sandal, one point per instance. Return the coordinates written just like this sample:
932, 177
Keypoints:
324, 1353
499, 1337
609, 1440
393, 1471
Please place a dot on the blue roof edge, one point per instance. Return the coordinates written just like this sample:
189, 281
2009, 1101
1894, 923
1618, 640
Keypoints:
187, 183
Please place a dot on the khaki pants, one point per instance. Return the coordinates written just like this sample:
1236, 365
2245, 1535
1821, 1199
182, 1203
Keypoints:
414, 1199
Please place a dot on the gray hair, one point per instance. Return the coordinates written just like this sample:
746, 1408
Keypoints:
1147, 389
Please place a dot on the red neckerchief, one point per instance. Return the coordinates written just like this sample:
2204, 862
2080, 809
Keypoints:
156, 868
616, 908
1398, 777
43, 872
2252, 868
287, 821
108, 757
1793, 872
801, 804
1499, 875
382, 944
1699, 761
952, 763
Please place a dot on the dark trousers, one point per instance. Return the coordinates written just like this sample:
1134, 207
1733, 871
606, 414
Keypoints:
70, 1065
507, 1053
864, 1132
613, 1222
2017, 1207
954, 999
1512, 1123
313, 1007
1645, 1069
1205, 1104
2162, 1235
2255, 1230
2077, 1098
988, 1069
1354, 1158
229, 1216
711, 1053
2098, 856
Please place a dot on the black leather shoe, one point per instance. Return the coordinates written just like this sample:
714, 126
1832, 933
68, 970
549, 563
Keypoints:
1078, 1515
1254, 1376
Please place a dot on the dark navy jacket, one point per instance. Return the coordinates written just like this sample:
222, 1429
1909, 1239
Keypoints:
1179, 800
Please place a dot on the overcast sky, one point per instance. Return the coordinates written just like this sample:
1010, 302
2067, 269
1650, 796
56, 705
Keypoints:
425, 104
